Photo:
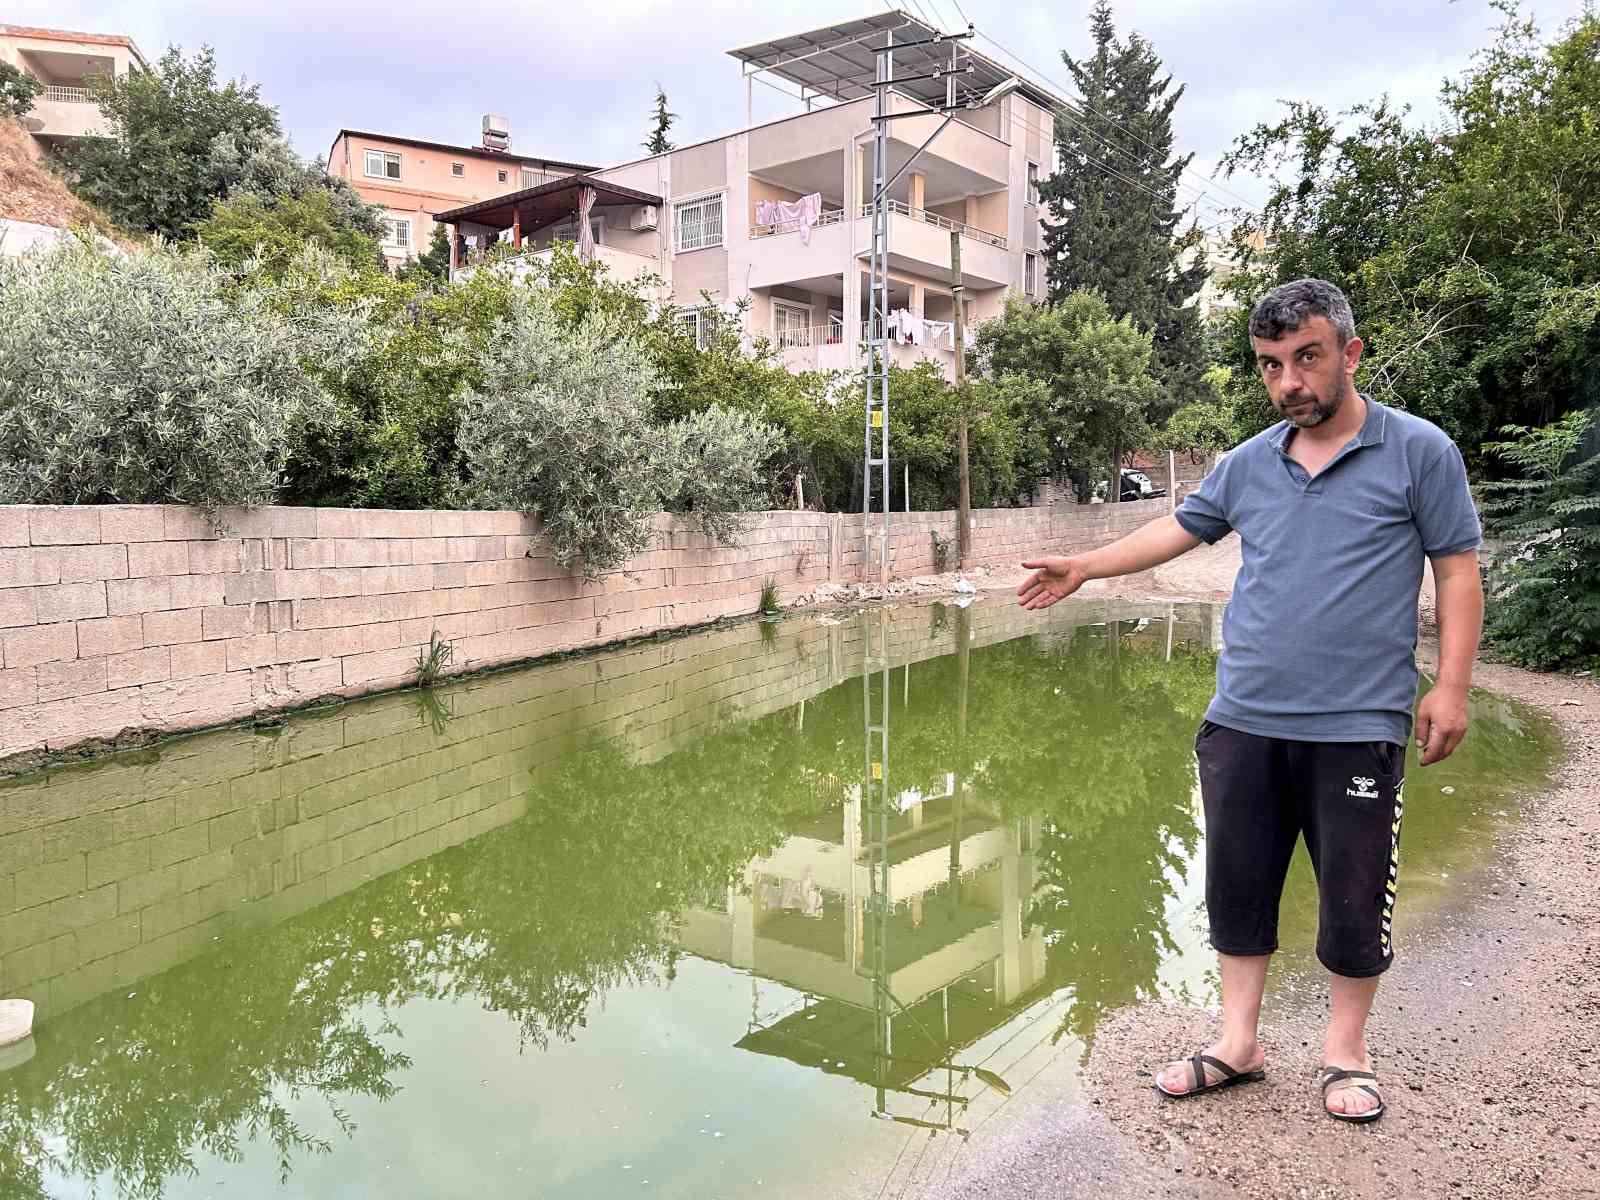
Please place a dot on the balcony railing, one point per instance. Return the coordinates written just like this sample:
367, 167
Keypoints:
830, 217
834, 216
938, 222
68, 95
795, 337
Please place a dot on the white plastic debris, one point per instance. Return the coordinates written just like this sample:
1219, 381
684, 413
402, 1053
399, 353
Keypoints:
1447, 791
963, 586
16, 1021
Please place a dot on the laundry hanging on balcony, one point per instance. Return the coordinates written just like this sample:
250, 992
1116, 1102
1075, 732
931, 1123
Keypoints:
785, 216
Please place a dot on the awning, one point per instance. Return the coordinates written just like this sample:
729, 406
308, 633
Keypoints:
839, 61
534, 208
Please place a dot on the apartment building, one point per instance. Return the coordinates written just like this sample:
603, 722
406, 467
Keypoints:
65, 61
412, 179
772, 219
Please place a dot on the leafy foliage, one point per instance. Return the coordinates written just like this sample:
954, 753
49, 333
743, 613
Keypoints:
141, 379
157, 172
18, 90
661, 121
1467, 252
1114, 218
1546, 582
717, 458
433, 265
1091, 375
276, 229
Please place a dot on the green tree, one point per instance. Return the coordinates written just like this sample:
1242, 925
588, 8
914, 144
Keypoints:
1113, 213
18, 90
1095, 375
657, 142
1467, 253
156, 172
434, 263
277, 228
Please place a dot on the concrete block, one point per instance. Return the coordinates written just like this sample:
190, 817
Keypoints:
231, 621
255, 651
221, 556
17, 607
311, 553
379, 667
110, 635
319, 678
42, 883
98, 715
132, 522
128, 596
147, 559
176, 845
138, 667
28, 647
24, 848
70, 602
271, 522
18, 687
111, 863
140, 891
198, 591
177, 627
108, 938
205, 700
13, 525
203, 658
62, 680
63, 525
88, 564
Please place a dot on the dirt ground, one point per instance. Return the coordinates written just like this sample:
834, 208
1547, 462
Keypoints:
1486, 1034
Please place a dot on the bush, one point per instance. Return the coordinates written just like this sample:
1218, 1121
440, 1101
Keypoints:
276, 229
18, 90
718, 458
143, 379
559, 428
1544, 599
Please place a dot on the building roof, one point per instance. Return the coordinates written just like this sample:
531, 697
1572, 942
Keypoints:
535, 207
840, 61
474, 151
71, 35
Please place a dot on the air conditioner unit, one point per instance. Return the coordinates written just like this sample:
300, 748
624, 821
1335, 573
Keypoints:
643, 219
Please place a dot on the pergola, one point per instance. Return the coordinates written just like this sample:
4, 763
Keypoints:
526, 212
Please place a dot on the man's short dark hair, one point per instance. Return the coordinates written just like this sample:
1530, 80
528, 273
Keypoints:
1289, 305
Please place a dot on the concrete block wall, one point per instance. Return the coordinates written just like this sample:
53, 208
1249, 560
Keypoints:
145, 617
117, 870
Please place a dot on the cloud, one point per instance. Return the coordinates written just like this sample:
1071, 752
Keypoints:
577, 79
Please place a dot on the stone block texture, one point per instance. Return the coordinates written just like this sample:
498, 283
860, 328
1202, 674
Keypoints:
154, 618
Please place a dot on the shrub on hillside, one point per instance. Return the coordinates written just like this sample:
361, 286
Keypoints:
142, 379
18, 90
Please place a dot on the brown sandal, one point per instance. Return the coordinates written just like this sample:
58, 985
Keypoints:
1202, 1083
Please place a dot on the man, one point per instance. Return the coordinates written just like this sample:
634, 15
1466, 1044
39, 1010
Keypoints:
1335, 507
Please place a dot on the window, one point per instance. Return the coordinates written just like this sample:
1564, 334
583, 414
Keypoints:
397, 232
383, 165
701, 322
500, 176
458, 169
791, 325
1033, 183
1030, 274
699, 222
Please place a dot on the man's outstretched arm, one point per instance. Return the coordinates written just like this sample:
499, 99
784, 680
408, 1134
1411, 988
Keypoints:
1057, 577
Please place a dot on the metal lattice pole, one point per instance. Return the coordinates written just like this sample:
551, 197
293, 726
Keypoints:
877, 339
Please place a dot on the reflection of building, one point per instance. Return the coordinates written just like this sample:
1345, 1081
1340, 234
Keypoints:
899, 916
66, 62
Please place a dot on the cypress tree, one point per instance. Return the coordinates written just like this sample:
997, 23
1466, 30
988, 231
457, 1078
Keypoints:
657, 142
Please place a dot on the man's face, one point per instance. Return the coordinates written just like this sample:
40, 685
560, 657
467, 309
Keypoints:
1307, 373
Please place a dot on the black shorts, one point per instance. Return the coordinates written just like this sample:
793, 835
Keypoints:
1260, 795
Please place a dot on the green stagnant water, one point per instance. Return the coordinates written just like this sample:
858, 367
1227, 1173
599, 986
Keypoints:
766, 911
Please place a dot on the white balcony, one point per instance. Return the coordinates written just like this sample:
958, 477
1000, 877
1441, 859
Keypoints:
64, 111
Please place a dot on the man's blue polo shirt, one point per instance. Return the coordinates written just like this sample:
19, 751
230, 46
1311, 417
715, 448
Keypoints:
1319, 640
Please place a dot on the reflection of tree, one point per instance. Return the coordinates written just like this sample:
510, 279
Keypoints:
541, 918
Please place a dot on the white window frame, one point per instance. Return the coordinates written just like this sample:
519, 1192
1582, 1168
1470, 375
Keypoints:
1030, 274
384, 157
458, 170
391, 225
1033, 183
502, 177
704, 321
704, 240
784, 311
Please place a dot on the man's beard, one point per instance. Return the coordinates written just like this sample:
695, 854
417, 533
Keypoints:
1318, 410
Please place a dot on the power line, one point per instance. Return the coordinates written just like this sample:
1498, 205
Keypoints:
1090, 108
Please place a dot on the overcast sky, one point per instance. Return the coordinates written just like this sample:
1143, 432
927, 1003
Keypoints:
577, 79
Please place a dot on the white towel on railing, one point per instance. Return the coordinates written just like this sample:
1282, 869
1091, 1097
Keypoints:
786, 215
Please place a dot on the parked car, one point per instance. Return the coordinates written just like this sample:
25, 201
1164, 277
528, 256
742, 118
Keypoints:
1136, 485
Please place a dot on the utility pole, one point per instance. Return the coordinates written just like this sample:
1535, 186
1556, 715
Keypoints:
877, 331
964, 492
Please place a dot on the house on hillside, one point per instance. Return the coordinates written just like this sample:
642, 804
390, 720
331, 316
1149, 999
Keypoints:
65, 62
412, 179
775, 214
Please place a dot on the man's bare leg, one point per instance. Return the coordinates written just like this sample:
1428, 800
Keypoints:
1345, 1045
1244, 979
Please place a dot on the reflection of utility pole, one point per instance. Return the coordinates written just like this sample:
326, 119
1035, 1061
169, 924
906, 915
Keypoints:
963, 657
875, 804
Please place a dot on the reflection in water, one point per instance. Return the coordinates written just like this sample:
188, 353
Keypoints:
909, 858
